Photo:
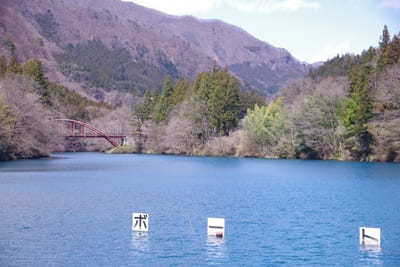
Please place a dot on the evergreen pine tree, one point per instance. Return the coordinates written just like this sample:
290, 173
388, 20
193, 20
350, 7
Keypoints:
383, 44
359, 112
224, 102
181, 89
165, 102
148, 106
203, 86
34, 70
385, 39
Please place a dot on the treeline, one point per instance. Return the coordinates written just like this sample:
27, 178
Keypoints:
185, 116
28, 101
348, 109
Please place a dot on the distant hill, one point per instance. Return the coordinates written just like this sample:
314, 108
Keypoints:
98, 47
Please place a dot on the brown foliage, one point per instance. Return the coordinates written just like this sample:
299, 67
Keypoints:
33, 134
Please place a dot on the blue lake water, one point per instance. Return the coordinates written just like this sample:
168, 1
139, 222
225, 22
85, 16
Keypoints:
75, 209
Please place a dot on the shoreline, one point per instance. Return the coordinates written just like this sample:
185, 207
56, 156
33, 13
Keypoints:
115, 151
132, 150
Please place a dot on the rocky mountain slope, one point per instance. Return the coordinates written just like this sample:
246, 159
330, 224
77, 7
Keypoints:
96, 47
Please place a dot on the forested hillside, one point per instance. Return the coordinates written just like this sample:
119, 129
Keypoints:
106, 48
29, 103
186, 86
347, 109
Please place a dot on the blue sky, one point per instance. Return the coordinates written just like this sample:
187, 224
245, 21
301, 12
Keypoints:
312, 30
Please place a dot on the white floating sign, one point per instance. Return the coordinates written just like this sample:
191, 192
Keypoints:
370, 236
140, 222
216, 227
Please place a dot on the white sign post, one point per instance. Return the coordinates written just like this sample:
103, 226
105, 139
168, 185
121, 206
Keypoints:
216, 227
370, 236
140, 222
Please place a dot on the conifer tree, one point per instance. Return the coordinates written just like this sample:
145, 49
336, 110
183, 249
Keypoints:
148, 106
392, 54
224, 102
3, 65
359, 111
34, 69
165, 102
203, 86
13, 66
383, 44
180, 91
385, 39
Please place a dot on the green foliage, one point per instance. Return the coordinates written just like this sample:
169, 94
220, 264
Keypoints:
73, 105
165, 102
181, 91
385, 39
386, 57
217, 91
48, 26
392, 52
7, 121
266, 124
3, 65
203, 86
368, 56
144, 111
335, 116
33, 68
13, 66
224, 102
248, 100
220, 92
358, 112
264, 79
111, 69
337, 66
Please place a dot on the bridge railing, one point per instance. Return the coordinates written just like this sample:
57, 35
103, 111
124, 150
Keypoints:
78, 129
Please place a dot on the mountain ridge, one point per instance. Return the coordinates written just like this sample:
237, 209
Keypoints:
158, 44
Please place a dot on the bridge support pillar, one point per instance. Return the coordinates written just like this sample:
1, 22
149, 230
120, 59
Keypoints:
124, 141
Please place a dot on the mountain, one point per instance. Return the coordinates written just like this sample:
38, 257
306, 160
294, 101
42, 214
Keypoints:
99, 47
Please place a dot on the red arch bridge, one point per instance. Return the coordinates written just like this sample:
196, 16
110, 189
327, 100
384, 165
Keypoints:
78, 129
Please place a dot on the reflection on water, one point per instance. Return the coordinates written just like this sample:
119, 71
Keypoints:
216, 249
371, 255
140, 241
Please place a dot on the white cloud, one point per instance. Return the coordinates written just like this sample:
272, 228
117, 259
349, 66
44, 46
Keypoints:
185, 7
329, 51
391, 3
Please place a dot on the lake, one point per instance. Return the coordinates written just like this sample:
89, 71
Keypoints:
75, 209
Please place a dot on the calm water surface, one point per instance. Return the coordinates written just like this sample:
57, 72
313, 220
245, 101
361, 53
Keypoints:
75, 210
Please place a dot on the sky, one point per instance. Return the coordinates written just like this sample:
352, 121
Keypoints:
311, 30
